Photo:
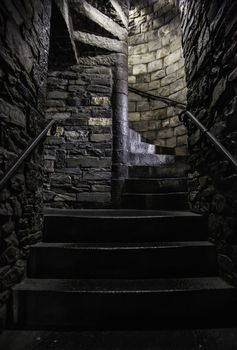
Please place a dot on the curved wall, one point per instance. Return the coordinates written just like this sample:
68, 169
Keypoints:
156, 65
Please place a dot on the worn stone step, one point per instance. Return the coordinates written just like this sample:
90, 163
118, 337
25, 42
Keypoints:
122, 226
155, 185
149, 159
165, 171
162, 201
124, 304
142, 147
191, 339
144, 260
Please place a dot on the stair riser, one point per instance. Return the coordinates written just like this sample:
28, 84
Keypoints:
155, 186
135, 310
148, 229
176, 201
157, 172
148, 159
122, 263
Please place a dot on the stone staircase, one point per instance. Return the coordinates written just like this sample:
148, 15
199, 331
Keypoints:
107, 271
158, 185
110, 279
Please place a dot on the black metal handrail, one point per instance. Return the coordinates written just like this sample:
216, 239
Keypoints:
15, 166
189, 115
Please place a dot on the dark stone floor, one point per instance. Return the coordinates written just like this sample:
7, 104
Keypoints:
212, 339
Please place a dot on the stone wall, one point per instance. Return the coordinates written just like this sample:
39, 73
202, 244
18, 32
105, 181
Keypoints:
24, 40
156, 65
209, 41
86, 161
78, 157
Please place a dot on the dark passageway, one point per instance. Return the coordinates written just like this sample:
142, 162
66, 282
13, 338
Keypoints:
118, 174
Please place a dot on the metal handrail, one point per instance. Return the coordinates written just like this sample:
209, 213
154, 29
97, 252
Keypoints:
166, 100
15, 166
189, 115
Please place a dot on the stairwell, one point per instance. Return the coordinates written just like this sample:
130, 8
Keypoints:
140, 277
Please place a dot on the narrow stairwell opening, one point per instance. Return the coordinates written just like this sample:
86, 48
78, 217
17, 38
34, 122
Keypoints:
123, 257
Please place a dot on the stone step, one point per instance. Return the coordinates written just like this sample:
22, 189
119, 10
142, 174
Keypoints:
142, 147
161, 201
124, 304
122, 226
128, 261
191, 339
168, 171
162, 185
149, 159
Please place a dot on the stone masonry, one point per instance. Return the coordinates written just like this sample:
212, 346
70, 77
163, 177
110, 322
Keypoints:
86, 159
24, 41
209, 41
156, 65
78, 157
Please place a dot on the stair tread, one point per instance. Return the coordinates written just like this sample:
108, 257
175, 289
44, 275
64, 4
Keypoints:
211, 339
155, 194
123, 246
119, 213
108, 286
157, 179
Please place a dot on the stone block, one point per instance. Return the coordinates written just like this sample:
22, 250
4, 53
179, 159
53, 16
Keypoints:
100, 101
88, 162
171, 142
139, 59
180, 130
136, 116
136, 39
172, 58
138, 49
177, 85
158, 75
149, 115
155, 66
174, 121
165, 133
100, 122
182, 140
132, 79
176, 44
154, 85
171, 78
131, 106
143, 106
175, 66
158, 22
163, 52
57, 95
12, 113
101, 188
59, 115
154, 45
96, 175
65, 197
143, 78
93, 197
100, 137
139, 69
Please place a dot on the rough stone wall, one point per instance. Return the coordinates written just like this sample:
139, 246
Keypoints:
78, 157
210, 46
156, 65
86, 160
24, 40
